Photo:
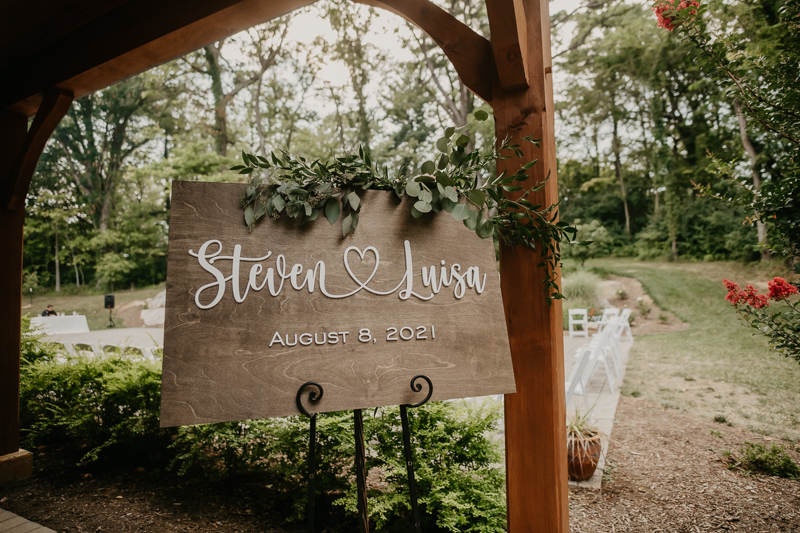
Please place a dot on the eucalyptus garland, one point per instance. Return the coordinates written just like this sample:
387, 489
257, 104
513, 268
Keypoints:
456, 181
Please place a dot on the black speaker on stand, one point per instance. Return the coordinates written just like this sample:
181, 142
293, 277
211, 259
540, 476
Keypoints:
108, 303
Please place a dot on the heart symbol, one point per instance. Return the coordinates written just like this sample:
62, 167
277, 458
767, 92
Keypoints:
361, 255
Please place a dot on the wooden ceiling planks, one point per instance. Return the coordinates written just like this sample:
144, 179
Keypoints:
26, 27
125, 41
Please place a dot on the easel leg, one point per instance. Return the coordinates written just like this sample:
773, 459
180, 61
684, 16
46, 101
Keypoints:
412, 483
361, 472
312, 470
313, 396
409, 454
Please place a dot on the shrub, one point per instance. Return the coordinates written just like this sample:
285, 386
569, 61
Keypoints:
32, 348
774, 461
461, 488
581, 286
622, 294
596, 235
109, 403
642, 306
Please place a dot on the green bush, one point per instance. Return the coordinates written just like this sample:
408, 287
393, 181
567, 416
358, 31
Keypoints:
109, 403
460, 485
580, 285
774, 461
32, 348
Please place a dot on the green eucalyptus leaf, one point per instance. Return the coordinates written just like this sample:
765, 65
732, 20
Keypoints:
451, 193
415, 212
444, 179
443, 161
250, 191
426, 196
413, 188
422, 206
443, 144
485, 229
448, 204
332, 210
460, 212
476, 197
354, 200
310, 216
347, 224
278, 203
481, 115
472, 221
248, 215
448, 132
462, 140
260, 210
428, 167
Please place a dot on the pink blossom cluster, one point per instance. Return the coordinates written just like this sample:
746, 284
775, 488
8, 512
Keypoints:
666, 10
779, 289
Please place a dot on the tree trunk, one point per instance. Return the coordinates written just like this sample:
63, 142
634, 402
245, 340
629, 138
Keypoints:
618, 171
674, 247
58, 263
74, 263
220, 101
761, 228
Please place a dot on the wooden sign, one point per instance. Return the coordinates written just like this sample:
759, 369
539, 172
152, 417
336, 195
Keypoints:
250, 317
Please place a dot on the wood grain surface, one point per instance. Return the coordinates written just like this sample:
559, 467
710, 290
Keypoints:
218, 363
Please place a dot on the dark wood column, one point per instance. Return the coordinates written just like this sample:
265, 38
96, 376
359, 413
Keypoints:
536, 452
13, 129
20, 148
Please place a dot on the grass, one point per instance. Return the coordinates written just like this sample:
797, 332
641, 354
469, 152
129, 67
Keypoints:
716, 368
87, 302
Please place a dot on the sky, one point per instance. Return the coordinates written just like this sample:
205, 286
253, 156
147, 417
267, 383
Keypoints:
307, 26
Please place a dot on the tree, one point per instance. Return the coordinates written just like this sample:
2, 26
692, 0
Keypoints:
260, 48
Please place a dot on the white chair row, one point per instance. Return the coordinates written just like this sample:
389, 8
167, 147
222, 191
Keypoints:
96, 349
605, 348
580, 317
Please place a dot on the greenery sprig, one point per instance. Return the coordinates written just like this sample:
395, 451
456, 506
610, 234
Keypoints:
455, 180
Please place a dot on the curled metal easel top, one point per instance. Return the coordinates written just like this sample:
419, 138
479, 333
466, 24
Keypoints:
416, 387
312, 396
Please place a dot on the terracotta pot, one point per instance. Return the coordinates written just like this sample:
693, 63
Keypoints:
582, 457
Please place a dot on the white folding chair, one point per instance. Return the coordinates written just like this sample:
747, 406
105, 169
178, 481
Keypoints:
608, 314
603, 352
625, 318
579, 317
578, 378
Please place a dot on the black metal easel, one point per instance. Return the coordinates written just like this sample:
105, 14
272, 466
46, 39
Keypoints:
360, 458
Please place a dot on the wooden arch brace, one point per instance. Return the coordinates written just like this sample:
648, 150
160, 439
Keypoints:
470, 53
509, 42
55, 105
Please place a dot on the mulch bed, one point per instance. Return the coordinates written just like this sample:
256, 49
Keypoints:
667, 473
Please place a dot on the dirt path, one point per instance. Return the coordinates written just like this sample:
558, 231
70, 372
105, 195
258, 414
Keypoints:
668, 474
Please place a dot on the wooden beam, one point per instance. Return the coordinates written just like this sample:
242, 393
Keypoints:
509, 42
54, 106
136, 36
470, 53
13, 129
535, 417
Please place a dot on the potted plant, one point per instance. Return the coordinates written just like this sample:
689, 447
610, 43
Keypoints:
583, 446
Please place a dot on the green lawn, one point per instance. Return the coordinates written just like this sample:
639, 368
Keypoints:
716, 368
88, 302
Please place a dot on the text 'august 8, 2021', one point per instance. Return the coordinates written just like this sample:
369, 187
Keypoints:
363, 335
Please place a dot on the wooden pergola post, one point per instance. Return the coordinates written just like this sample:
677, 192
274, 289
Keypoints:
20, 148
536, 452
